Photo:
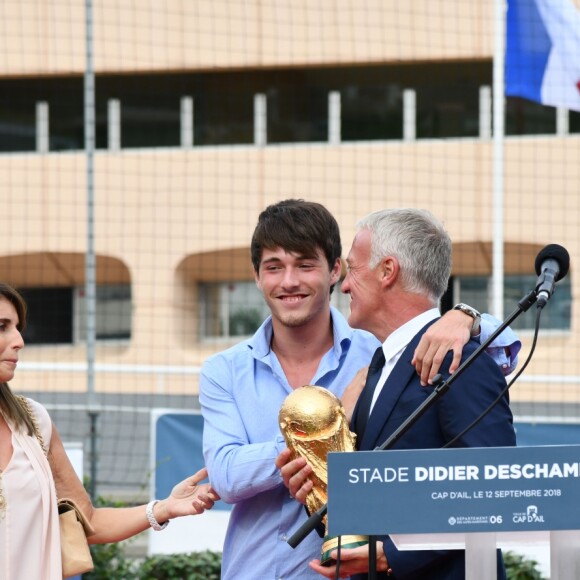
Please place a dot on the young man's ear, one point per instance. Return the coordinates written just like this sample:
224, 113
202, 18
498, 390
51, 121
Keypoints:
336, 271
257, 280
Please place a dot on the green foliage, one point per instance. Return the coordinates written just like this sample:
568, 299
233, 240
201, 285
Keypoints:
194, 566
111, 564
109, 559
519, 568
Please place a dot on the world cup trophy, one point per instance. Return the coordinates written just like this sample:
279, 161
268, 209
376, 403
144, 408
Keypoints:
314, 423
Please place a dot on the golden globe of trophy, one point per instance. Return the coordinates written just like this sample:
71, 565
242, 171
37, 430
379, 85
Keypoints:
314, 423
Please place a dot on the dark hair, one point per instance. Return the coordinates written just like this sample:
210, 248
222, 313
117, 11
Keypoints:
9, 405
16, 299
297, 226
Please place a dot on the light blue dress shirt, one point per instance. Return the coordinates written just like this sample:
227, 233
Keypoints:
241, 392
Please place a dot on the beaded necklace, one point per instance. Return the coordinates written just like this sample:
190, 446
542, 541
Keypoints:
2, 499
24, 402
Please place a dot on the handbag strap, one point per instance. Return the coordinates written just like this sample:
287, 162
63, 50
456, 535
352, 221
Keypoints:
26, 406
66, 503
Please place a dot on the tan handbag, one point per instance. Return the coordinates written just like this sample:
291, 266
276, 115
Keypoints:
74, 529
74, 526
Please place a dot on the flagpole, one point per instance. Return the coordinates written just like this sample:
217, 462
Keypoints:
498, 158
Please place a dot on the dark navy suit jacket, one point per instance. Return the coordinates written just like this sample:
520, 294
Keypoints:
477, 387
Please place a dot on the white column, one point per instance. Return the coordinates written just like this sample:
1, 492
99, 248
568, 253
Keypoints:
42, 129
564, 554
485, 113
186, 119
562, 121
260, 120
409, 115
334, 118
114, 124
480, 556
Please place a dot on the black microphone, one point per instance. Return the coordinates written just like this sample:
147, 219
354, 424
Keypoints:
552, 264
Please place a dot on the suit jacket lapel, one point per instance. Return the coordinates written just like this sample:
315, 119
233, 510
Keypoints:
400, 376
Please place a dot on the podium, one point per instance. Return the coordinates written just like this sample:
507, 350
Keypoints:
477, 499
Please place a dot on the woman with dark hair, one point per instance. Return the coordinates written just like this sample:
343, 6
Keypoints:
32, 478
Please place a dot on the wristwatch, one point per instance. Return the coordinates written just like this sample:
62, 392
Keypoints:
466, 309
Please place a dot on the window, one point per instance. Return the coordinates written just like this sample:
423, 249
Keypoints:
297, 105
371, 112
476, 291
297, 114
230, 309
525, 117
50, 315
57, 315
18, 99
574, 121
113, 319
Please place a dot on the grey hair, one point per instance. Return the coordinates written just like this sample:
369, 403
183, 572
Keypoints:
419, 242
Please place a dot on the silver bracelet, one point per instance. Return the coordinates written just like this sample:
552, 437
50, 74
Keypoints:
151, 518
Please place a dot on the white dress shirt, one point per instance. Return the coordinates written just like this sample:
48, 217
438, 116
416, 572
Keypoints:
397, 342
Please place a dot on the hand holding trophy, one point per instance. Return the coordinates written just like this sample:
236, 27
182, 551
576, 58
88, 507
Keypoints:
314, 423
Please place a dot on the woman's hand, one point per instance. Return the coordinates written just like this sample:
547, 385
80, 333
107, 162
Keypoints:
187, 498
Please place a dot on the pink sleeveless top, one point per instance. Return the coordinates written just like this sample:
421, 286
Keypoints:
29, 532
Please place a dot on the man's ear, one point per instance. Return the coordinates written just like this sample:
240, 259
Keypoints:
389, 271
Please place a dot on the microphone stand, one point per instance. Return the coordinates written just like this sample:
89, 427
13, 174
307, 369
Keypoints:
440, 388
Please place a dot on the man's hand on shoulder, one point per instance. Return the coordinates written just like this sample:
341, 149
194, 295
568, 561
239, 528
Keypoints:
451, 332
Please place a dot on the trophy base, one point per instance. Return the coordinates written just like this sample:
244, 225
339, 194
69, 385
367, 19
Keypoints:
331, 543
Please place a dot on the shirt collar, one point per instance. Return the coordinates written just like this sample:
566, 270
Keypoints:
262, 339
400, 338
341, 330
259, 344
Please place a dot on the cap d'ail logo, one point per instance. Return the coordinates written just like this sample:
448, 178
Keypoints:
530, 516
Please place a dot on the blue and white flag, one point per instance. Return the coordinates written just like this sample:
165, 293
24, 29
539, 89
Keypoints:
543, 52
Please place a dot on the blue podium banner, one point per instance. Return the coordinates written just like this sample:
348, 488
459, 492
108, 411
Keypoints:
428, 491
